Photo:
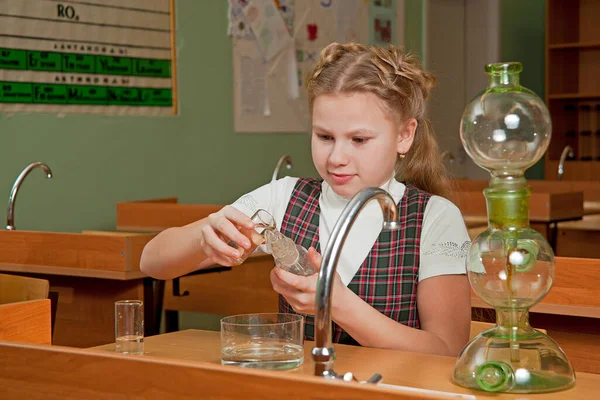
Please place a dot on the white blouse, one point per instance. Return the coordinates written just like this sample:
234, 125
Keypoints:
444, 237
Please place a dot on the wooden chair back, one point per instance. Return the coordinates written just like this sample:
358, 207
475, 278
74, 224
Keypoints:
14, 288
26, 321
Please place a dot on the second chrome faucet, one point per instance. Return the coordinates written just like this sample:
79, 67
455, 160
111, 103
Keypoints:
567, 152
283, 160
10, 215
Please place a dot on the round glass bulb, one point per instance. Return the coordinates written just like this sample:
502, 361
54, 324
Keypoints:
506, 128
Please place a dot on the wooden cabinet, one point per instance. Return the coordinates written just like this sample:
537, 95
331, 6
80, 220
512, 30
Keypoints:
573, 87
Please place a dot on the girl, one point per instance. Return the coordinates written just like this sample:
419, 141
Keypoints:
405, 289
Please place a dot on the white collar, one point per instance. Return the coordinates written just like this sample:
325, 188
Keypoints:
333, 200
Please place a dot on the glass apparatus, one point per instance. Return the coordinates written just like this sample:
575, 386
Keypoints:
288, 255
505, 130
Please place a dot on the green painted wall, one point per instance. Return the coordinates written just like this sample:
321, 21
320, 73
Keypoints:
522, 37
100, 160
414, 27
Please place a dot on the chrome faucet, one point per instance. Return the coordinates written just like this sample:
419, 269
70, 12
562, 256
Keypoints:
323, 352
10, 215
567, 151
283, 159
448, 155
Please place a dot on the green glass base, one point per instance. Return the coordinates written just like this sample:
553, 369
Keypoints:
519, 360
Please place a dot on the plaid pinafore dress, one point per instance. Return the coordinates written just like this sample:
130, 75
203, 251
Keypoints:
388, 278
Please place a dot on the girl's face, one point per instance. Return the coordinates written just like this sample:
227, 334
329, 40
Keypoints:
355, 143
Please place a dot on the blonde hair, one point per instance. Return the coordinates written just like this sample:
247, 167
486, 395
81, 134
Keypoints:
398, 80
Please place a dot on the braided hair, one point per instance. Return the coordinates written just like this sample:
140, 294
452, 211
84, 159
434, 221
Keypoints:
399, 81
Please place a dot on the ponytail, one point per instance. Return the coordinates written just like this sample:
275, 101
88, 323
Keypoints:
422, 165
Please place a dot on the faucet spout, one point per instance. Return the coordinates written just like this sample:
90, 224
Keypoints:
10, 215
323, 352
283, 160
567, 151
448, 155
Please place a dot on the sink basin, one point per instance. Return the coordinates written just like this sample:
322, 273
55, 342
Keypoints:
156, 215
91, 250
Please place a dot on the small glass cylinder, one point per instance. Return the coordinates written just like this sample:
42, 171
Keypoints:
129, 326
263, 221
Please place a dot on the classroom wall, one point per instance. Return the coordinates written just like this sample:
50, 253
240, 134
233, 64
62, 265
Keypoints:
100, 160
415, 28
523, 26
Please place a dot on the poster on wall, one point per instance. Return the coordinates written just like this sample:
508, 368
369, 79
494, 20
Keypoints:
98, 56
271, 65
382, 22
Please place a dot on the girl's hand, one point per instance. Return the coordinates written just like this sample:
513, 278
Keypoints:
228, 224
300, 291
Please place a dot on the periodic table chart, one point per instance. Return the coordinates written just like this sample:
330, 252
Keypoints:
92, 56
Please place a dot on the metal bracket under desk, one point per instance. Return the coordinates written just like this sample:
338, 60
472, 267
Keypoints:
552, 231
172, 316
154, 290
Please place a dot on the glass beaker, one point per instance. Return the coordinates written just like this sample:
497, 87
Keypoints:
263, 221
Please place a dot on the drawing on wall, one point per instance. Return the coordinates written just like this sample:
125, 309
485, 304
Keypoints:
383, 3
97, 56
238, 27
382, 22
268, 26
271, 68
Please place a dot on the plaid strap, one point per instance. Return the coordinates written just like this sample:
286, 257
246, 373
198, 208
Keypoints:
301, 224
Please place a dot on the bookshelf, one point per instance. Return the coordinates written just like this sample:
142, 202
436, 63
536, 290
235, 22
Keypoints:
573, 87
